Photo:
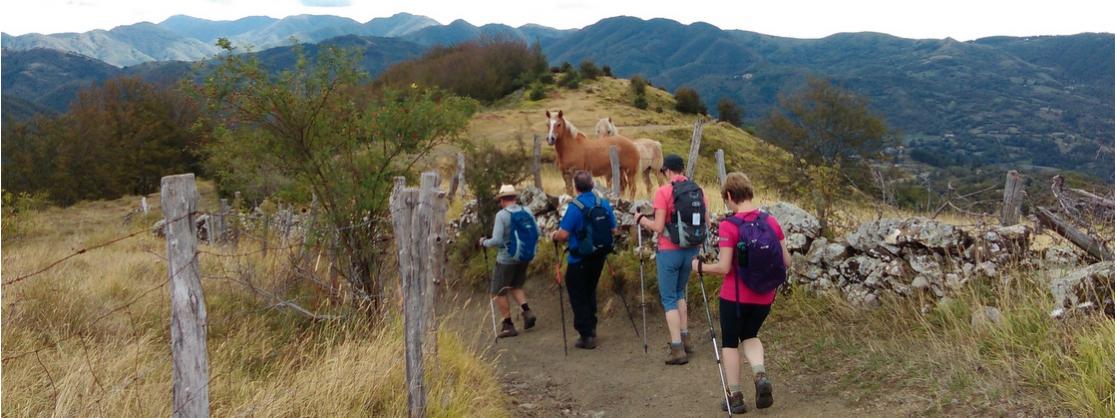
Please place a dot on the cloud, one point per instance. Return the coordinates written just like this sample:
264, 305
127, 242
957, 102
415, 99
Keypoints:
326, 3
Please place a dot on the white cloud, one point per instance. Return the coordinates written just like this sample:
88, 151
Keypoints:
326, 3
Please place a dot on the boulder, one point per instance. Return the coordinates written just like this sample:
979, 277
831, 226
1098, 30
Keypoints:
834, 253
926, 233
537, 202
818, 247
794, 220
159, 228
796, 243
871, 234
1059, 256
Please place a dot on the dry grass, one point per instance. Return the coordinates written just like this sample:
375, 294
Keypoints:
99, 359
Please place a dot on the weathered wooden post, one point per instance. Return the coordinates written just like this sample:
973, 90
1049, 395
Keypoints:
223, 224
418, 219
143, 205
695, 143
190, 360
536, 161
615, 161
458, 180
1013, 198
1092, 245
720, 157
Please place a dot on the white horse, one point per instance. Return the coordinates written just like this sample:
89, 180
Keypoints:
651, 152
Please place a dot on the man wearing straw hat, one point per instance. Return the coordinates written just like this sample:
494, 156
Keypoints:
515, 233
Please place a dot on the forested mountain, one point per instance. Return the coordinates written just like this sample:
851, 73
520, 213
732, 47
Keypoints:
1036, 101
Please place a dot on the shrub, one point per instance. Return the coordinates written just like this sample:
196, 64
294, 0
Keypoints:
566, 67
641, 102
485, 70
728, 111
687, 101
607, 71
589, 70
638, 84
537, 92
570, 80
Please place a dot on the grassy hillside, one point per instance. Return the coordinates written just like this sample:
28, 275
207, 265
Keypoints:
91, 337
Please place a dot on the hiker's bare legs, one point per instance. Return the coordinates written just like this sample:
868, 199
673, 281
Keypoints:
731, 360
519, 295
673, 325
682, 317
754, 352
502, 305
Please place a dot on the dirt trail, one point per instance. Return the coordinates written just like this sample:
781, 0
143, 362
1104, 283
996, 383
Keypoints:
617, 379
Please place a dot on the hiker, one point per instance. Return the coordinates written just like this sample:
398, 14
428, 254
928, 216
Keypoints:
754, 261
587, 227
516, 234
680, 220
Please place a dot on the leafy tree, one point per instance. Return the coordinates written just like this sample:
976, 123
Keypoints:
588, 70
728, 111
834, 135
687, 101
118, 138
566, 67
320, 127
638, 84
607, 71
570, 80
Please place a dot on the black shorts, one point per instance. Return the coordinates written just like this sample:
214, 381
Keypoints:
508, 276
734, 328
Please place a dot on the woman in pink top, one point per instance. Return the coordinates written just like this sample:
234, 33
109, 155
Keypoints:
742, 311
671, 261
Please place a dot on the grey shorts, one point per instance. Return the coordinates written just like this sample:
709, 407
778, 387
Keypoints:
508, 276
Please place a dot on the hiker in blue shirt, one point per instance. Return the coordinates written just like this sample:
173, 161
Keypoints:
587, 227
510, 271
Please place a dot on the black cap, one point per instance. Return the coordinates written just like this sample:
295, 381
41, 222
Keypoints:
673, 162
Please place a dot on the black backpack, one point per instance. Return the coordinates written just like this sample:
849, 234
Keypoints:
687, 226
596, 235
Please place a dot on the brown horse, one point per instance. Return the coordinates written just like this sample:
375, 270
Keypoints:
576, 152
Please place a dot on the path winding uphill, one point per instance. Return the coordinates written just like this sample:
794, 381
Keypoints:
617, 379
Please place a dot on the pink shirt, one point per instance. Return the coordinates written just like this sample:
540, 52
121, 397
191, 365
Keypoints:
730, 286
664, 200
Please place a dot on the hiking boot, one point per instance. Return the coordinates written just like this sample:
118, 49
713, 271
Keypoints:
507, 330
736, 403
588, 343
689, 349
763, 391
529, 319
677, 357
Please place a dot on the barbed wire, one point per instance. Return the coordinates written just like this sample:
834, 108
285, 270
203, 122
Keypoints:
84, 250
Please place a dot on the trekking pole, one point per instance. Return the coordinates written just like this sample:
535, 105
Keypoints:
643, 308
492, 309
713, 337
618, 287
562, 310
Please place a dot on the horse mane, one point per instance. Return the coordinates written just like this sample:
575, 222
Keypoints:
570, 126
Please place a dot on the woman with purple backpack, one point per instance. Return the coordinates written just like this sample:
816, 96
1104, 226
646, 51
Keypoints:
754, 260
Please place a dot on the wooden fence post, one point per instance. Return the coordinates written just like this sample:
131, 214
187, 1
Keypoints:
418, 220
143, 205
1092, 245
1013, 198
458, 180
536, 161
615, 161
190, 376
720, 157
695, 143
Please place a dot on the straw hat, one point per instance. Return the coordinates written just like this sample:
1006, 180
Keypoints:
506, 190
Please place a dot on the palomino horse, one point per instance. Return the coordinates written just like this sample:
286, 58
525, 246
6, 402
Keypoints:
575, 152
651, 153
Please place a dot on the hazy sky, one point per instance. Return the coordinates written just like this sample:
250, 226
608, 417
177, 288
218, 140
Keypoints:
959, 19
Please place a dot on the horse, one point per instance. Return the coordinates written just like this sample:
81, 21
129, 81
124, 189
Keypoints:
575, 152
651, 153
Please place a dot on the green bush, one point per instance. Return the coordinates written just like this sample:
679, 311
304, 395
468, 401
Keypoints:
570, 80
589, 70
728, 111
638, 84
537, 92
607, 71
687, 101
641, 102
484, 70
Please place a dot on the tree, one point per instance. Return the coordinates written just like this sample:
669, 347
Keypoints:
729, 112
687, 101
486, 70
832, 132
589, 70
321, 127
607, 71
638, 84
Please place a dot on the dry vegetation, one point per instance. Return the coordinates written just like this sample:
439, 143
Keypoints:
90, 337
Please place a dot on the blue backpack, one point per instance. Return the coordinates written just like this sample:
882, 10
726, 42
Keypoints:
759, 255
596, 235
525, 236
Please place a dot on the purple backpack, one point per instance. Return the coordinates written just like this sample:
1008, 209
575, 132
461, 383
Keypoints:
759, 255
